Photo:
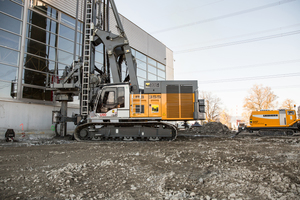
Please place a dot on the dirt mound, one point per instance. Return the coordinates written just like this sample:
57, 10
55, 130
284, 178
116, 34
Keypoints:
212, 128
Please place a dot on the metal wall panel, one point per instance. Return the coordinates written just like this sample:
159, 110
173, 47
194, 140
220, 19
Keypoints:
113, 23
156, 49
169, 64
67, 6
136, 36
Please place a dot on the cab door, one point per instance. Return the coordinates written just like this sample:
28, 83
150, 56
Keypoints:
282, 117
107, 102
291, 116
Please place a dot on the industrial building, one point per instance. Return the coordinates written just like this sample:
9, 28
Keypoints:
37, 41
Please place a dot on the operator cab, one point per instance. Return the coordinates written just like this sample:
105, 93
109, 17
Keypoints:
110, 101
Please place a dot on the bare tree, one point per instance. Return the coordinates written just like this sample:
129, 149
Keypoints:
288, 104
225, 118
212, 106
246, 116
260, 98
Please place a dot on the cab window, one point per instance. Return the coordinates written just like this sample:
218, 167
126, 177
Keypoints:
291, 112
120, 100
109, 99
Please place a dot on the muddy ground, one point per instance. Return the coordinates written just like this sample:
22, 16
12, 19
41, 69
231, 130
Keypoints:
245, 167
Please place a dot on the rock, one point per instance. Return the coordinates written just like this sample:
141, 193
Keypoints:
133, 187
201, 181
232, 195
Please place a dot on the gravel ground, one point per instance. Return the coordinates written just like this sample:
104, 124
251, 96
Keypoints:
244, 167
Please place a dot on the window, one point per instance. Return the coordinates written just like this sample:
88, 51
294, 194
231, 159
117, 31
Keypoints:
160, 66
80, 26
10, 24
78, 50
11, 8
152, 62
79, 37
51, 39
99, 48
141, 65
106, 101
151, 69
98, 57
9, 40
19, 1
8, 89
66, 45
141, 82
161, 73
141, 73
140, 56
133, 52
68, 20
44, 8
34, 78
151, 77
38, 94
40, 49
121, 97
38, 63
8, 73
291, 112
42, 21
110, 97
41, 35
9, 57
124, 71
64, 57
66, 32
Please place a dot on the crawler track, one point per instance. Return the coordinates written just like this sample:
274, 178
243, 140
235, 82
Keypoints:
270, 132
125, 131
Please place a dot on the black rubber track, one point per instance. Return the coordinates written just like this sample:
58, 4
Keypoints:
123, 124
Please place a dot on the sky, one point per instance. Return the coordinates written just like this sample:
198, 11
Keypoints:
227, 45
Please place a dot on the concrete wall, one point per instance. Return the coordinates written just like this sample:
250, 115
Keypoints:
36, 118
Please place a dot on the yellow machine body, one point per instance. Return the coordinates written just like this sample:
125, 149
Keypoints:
273, 118
172, 106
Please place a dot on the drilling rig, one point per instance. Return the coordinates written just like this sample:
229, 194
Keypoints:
112, 106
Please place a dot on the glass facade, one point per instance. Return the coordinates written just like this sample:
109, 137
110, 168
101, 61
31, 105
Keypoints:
11, 15
48, 41
148, 68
